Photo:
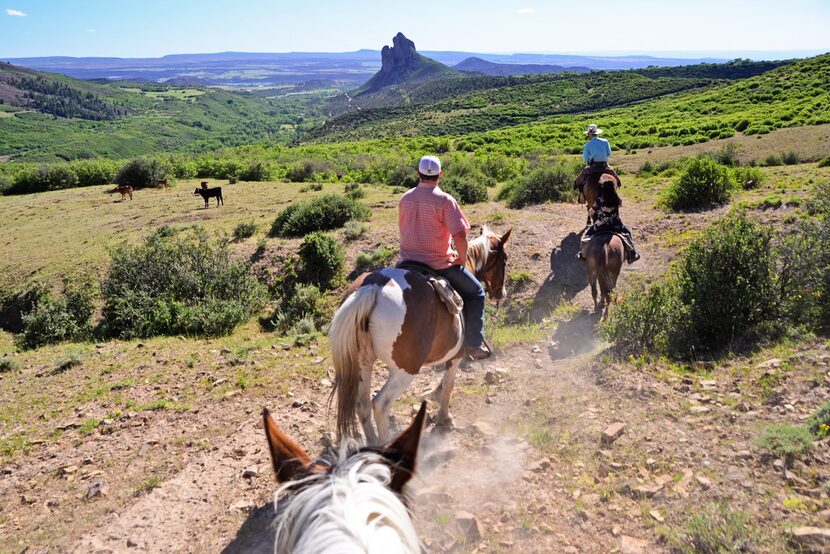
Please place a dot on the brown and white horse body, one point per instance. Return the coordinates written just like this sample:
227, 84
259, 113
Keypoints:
395, 316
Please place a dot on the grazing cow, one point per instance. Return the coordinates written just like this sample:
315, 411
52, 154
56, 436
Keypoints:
125, 190
207, 194
161, 182
204, 185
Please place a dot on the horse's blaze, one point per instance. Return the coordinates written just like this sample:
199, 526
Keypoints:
429, 333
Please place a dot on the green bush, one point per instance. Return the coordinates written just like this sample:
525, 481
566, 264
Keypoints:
552, 183
825, 162
733, 258
819, 422
245, 230
748, 177
704, 183
56, 319
686, 314
176, 284
254, 171
140, 173
727, 155
464, 191
645, 320
42, 178
325, 212
296, 309
321, 260
94, 172
785, 441
355, 191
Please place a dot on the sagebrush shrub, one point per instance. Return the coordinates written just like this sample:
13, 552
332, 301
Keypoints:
785, 441
825, 162
244, 230
325, 212
353, 230
715, 529
178, 284
140, 173
748, 177
553, 183
321, 260
382, 256
703, 183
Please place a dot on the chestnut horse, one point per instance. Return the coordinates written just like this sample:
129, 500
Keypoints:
394, 315
604, 257
351, 500
591, 189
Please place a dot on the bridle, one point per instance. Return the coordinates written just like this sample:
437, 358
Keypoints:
499, 255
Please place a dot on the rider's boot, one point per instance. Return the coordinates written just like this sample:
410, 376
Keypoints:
479, 352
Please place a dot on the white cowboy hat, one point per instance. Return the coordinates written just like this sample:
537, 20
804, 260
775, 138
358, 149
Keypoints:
593, 130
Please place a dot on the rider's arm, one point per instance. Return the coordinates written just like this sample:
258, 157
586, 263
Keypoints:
608, 148
460, 240
585, 155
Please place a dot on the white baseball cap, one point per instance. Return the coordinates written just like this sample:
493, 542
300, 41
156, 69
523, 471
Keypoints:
429, 166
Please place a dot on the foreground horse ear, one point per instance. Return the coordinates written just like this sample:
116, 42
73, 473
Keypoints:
506, 236
289, 458
403, 452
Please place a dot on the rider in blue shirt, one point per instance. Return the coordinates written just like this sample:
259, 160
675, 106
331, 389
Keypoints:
597, 149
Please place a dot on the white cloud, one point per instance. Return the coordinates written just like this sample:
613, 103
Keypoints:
525, 10
90, 30
15, 13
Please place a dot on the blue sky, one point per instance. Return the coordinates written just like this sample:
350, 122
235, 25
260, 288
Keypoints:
149, 28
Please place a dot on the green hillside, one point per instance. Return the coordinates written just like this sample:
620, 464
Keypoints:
494, 102
551, 113
49, 117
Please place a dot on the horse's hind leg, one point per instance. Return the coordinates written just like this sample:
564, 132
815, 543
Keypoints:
444, 417
397, 382
364, 403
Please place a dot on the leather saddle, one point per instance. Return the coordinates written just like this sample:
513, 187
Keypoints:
451, 299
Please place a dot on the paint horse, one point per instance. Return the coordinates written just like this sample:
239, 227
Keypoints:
604, 257
351, 501
394, 315
591, 186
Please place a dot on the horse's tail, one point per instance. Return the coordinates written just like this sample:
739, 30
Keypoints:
350, 343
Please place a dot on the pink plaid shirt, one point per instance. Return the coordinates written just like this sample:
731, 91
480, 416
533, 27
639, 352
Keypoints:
428, 218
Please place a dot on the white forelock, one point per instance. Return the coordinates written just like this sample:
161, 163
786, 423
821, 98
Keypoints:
347, 510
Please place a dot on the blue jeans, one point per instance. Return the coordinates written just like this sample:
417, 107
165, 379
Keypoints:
472, 292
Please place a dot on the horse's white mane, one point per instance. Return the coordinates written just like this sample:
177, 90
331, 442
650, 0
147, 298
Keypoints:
482, 246
349, 509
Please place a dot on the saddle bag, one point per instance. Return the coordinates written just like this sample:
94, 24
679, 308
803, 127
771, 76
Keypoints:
451, 299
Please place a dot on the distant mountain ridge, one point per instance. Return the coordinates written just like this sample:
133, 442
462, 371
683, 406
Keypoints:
261, 68
474, 64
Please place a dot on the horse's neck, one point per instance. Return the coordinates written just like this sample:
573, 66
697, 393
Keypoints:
477, 252
346, 511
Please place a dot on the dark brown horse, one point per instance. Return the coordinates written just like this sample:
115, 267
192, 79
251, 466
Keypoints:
395, 315
604, 258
